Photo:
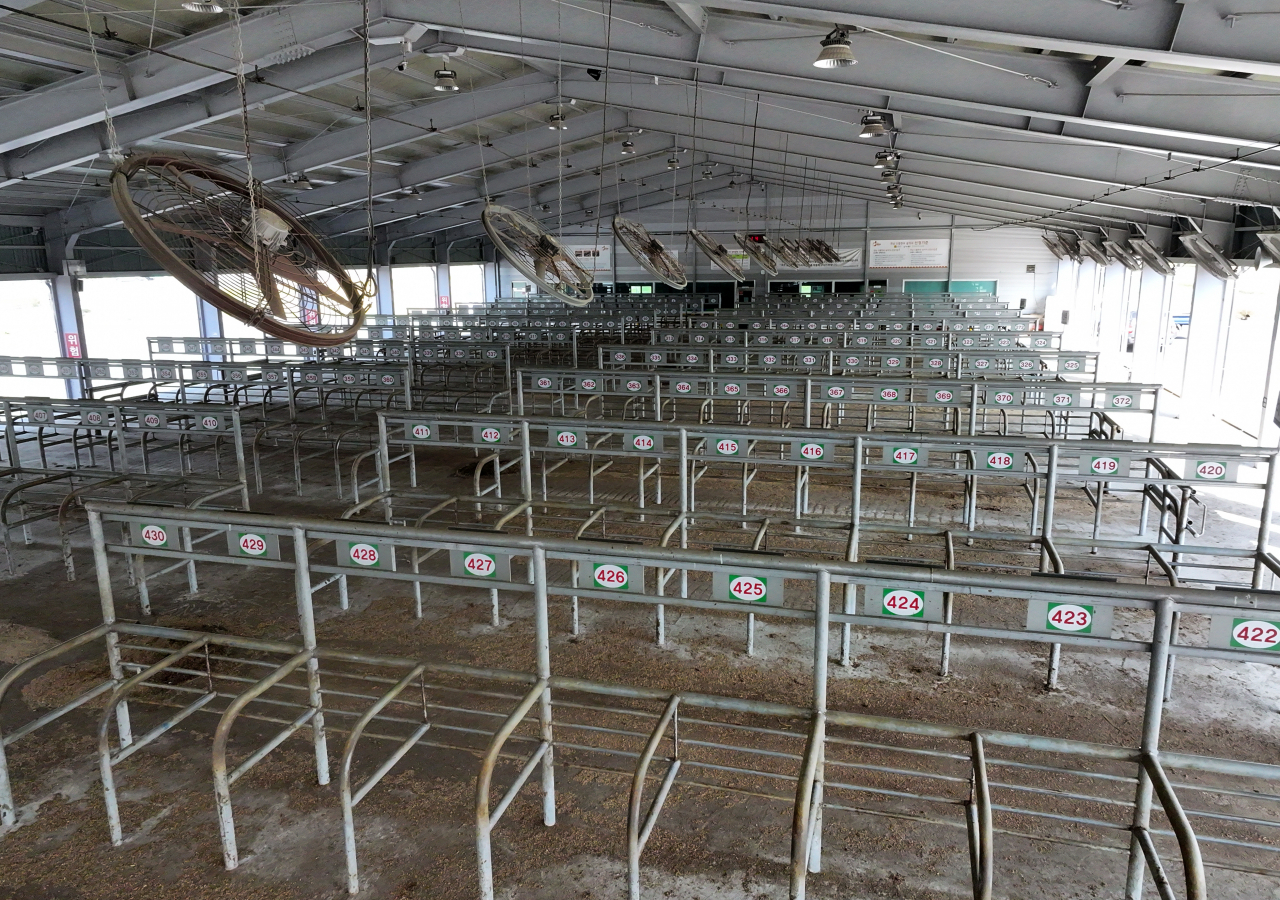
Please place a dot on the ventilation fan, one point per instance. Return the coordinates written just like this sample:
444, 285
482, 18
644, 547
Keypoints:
1053, 241
782, 253
649, 252
797, 250
1269, 241
539, 256
1122, 255
718, 254
821, 250
1093, 251
242, 251
757, 251
1150, 255
1208, 256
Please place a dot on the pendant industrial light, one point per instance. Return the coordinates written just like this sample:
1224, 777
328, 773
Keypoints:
673, 163
887, 159
836, 53
557, 122
446, 80
201, 7
873, 126
628, 148
888, 174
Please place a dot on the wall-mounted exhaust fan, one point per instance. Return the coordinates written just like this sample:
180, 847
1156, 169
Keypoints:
1122, 255
1093, 251
1150, 255
1269, 245
1208, 256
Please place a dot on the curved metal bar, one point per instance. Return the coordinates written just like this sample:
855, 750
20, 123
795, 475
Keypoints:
120, 695
484, 822
222, 781
1192, 862
805, 811
349, 801
8, 812
984, 872
638, 836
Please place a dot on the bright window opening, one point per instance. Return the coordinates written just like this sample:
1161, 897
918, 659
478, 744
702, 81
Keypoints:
413, 287
121, 312
30, 328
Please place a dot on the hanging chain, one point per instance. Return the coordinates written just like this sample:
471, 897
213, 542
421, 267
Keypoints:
370, 236
242, 88
114, 152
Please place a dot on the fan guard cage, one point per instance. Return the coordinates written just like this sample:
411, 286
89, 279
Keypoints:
537, 255
195, 221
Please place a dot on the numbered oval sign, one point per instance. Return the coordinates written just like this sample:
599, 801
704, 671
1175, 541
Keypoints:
480, 562
902, 603
769, 359
151, 535
634, 385
1212, 470
1069, 617
253, 544
1002, 398
611, 575
488, 434
728, 446
835, 392
944, 395
567, 439
481, 565
1245, 634
888, 393
904, 456
420, 431
999, 459
898, 601
809, 451
731, 388
683, 387
748, 588
644, 442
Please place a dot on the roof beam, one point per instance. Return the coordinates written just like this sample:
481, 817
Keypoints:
193, 111
185, 65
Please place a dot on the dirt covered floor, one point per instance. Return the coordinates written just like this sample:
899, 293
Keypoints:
415, 831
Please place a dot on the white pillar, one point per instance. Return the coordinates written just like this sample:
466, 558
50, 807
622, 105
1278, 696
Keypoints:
1207, 303
1153, 299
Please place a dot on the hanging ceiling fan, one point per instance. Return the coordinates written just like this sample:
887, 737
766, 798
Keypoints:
781, 252
239, 249
821, 250
718, 254
538, 255
757, 251
649, 252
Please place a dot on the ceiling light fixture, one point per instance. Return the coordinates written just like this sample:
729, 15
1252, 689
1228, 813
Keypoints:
673, 163
628, 148
836, 53
201, 7
886, 158
888, 174
446, 80
873, 126
706, 175
557, 122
